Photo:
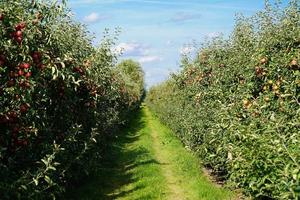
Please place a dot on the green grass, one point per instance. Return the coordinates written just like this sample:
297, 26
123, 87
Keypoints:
186, 166
130, 170
148, 162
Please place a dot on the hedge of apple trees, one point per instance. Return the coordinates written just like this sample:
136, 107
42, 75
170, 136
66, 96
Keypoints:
60, 99
237, 105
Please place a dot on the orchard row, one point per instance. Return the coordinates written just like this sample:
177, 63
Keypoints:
237, 104
61, 99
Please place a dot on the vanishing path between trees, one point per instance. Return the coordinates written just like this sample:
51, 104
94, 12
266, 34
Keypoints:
148, 162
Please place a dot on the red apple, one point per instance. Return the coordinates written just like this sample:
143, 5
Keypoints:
19, 40
25, 66
24, 108
36, 55
12, 116
27, 84
80, 71
76, 69
20, 26
21, 72
18, 34
41, 66
2, 57
28, 74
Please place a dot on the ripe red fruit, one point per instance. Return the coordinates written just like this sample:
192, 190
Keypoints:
12, 116
24, 84
19, 39
41, 66
24, 108
1, 17
28, 74
20, 72
20, 26
93, 93
26, 65
27, 84
2, 57
36, 55
80, 71
18, 33
75, 69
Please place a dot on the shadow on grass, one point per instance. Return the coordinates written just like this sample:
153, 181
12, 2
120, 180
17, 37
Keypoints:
117, 165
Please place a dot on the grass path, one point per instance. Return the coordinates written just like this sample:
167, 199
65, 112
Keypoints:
148, 162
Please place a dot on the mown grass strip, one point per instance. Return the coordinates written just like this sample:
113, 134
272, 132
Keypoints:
148, 162
129, 171
185, 166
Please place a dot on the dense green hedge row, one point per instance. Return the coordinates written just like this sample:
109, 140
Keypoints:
60, 98
237, 105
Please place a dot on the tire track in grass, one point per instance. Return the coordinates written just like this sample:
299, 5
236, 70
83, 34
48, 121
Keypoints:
175, 191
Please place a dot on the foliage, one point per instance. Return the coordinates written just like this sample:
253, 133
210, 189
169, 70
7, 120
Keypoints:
59, 99
132, 74
237, 103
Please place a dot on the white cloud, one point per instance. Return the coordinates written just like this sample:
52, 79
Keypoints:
94, 17
183, 16
187, 50
100, 2
213, 35
132, 49
169, 43
148, 59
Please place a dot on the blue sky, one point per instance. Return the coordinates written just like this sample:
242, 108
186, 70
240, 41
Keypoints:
157, 32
